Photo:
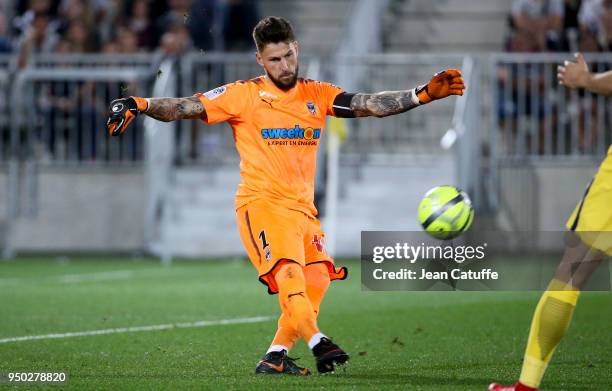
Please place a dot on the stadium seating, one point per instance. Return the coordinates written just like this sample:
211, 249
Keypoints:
200, 215
456, 26
318, 23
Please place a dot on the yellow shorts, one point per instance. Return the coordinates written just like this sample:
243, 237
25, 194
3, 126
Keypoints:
271, 233
592, 217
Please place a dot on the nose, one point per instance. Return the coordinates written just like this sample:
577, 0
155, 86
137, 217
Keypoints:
284, 65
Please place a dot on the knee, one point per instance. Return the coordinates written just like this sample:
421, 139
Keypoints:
317, 275
290, 270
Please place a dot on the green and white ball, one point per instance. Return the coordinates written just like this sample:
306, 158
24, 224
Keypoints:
445, 212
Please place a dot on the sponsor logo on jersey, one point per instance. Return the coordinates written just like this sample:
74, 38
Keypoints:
296, 132
215, 93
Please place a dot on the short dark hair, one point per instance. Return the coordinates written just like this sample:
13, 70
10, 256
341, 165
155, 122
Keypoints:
272, 29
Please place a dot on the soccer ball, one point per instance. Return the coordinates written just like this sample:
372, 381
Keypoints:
445, 212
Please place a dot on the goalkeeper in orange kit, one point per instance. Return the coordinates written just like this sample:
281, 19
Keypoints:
278, 120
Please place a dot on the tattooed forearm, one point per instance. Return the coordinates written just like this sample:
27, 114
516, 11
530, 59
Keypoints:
171, 109
384, 103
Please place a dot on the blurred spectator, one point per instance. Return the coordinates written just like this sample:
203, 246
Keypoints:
75, 10
241, 16
111, 47
140, 23
204, 24
107, 17
127, 40
40, 37
5, 43
596, 23
522, 42
177, 14
182, 34
519, 85
570, 25
541, 19
92, 25
80, 37
22, 7
64, 47
172, 44
23, 22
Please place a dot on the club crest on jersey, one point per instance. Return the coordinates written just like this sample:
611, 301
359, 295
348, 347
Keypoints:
311, 107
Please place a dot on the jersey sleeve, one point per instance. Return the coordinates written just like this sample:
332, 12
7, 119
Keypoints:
327, 93
224, 103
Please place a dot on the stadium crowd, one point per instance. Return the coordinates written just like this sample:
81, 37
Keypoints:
560, 25
534, 120
172, 27
125, 26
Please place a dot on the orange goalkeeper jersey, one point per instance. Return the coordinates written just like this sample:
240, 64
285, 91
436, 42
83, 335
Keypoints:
277, 135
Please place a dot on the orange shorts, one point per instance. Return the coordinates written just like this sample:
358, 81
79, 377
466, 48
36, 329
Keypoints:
271, 233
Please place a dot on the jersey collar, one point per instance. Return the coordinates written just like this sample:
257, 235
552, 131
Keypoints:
272, 88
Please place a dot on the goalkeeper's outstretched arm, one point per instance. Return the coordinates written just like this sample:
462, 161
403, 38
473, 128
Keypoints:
172, 109
123, 111
386, 103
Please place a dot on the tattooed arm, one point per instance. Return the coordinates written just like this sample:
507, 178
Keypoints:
383, 104
172, 109
123, 111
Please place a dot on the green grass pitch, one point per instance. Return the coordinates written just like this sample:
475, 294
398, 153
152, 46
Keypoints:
397, 340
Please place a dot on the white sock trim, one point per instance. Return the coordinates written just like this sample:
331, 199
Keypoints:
315, 339
277, 348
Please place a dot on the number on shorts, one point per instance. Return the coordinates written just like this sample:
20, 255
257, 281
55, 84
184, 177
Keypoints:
264, 242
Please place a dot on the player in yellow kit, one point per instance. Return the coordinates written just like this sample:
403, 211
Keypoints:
588, 243
277, 121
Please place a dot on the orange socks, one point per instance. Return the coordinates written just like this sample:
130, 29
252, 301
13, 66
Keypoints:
286, 334
294, 301
317, 282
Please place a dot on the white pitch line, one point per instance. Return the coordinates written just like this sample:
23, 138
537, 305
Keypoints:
135, 329
77, 278
100, 276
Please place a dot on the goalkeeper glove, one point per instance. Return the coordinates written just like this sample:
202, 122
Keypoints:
122, 112
441, 85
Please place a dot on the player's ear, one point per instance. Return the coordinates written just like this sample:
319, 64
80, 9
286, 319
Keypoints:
258, 58
296, 47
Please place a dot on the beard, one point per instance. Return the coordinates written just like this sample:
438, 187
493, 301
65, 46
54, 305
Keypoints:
286, 85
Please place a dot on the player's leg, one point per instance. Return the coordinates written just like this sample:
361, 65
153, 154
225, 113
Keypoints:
317, 283
276, 360
319, 271
296, 304
286, 334
586, 246
554, 312
555, 309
